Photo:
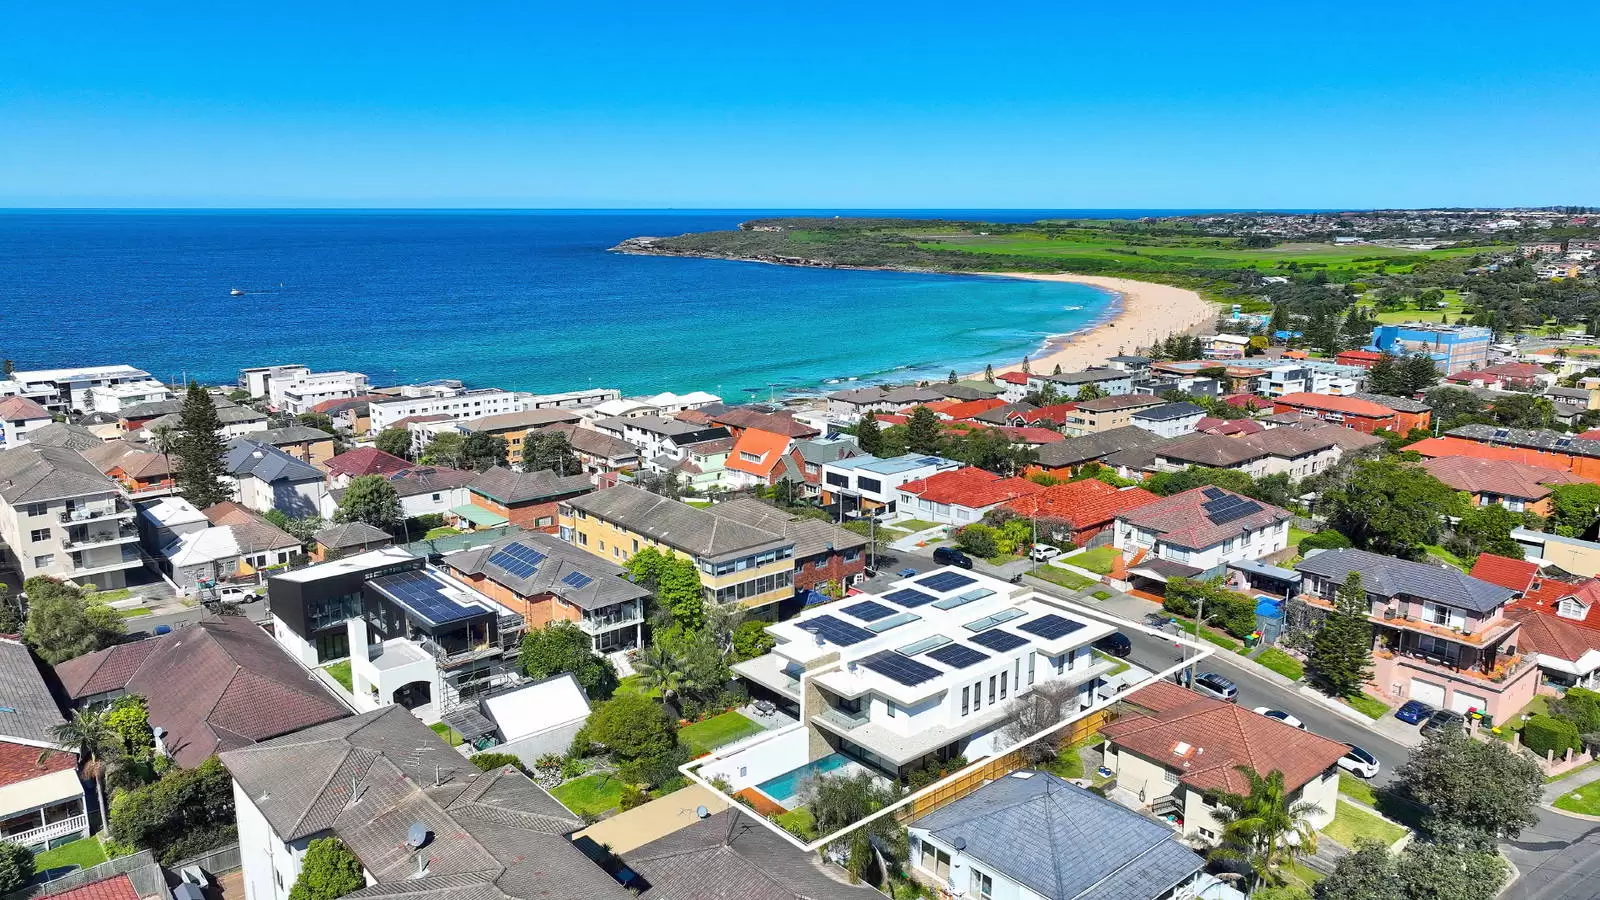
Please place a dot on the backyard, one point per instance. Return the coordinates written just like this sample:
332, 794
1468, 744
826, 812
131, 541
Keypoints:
1352, 824
703, 737
340, 671
449, 734
590, 795
80, 854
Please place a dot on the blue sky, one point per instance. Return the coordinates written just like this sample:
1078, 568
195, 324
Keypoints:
816, 105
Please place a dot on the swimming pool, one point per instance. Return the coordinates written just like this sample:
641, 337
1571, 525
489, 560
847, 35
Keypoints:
785, 789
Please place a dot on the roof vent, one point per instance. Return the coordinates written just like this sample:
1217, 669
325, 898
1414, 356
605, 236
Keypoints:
417, 836
1182, 748
959, 843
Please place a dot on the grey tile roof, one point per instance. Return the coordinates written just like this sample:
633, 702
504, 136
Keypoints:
1087, 376
266, 462
608, 583
352, 534
810, 536
1120, 401
510, 487
1073, 451
824, 450
31, 473
1386, 577
429, 479
1063, 842
60, 434
1210, 450
1554, 441
595, 443
1169, 411
30, 713
168, 407
292, 434
226, 415
729, 856
654, 425
528, 418
678, 525
1400, 404
999, 415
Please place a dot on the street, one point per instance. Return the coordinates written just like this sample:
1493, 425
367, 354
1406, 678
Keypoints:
1559, 859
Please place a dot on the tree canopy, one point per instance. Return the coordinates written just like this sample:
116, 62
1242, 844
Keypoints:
370, 499
564, 647
1389, 507
16, 867
1480, 791
1340, 661
187, 812
632, 726
394, 441
676, 583
328, 872
198, 471
549, 450
65, 622
481, 451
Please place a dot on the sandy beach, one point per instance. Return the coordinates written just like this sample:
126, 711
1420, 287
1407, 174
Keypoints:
1147, 313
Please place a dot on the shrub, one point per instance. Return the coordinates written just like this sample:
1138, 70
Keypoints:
751, 640
16, 867
550, 761
978, 539
632, 796
656, 769
328, 872
1581, 707
187, 812
487, 761
429, 521
1545, 734
1323, 540
732, 696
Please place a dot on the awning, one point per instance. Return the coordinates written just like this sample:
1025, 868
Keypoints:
1257, 567
477, 515
1163, 569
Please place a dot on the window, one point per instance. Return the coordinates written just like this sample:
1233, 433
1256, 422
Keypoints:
1171, 776
851, 556
1016, 678
544, 521
992, 680
977, 696
1571, 608
749, 457
889, 704
935, 862
36, 509
966, 696
602, 546
1003, 684
636, 545
39, 534
1032, 658
982, 885
869, 484
45, 561
583, 539
436, 497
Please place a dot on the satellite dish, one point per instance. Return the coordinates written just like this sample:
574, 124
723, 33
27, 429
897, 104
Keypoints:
416, 835
702, 812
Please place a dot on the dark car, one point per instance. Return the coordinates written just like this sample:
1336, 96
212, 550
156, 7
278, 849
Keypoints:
1442, 719
950, 556
1115, 644
1414, 712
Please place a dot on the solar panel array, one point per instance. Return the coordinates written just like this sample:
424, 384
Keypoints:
1228, 508
835, 631
1051, 626
518, 559
910, 598
999, 641
1214, 493
958, 657
868, 611
895, 667
576, 579
945, 581
425, 596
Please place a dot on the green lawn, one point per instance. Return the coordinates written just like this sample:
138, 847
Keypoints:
1098, 560
1069, 762
440, 532
798, 822
113, 595
82, 853
915, 525
449, 734
1118, 666
634, 684
341, 673
1357, 790
134, 612
1445, 556
1305, 874
703, 737
1101, 595
1072, 581
698, 504
1296, 535
1368, 706
1584, 801
1351, 824
1282, 663
590, 795
1220, 638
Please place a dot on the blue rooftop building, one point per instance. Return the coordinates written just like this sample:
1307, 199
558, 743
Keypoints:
1453, 348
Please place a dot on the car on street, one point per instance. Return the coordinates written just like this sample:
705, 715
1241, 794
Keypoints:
1281, 716
1215, 686
1043, 553
906, 573
1414, 712
1359, 762
1115, 644
232, 593
950, 556
1442, 719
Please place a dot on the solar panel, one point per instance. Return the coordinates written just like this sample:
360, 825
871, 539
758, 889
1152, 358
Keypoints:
999, 641
962, 599
1051, 627
577, 579
910, 598
868, 611
1238, 511
946, 581
835, 631
958, 657
1215, 493
894, 621
518, 559
893, 666
923, 646
424, 596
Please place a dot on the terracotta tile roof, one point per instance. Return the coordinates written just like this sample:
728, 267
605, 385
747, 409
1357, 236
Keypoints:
1012, 377
1516, 574
1204, 740
891, 419
965, 409
970, 487
1503, 372
1247, 401
328, 407
228, 512
767, 446
1365, 355
1349, 406
1083, 503
1545, 596
1547, 633
775, 422
104, 670
1500, 477
1592, 434
1228, 427
19, 409
1454, 446
117, 887
20, 762
1056, 413
1182, 519
366, 461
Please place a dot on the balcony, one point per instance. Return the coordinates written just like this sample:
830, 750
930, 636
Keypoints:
598, 624
128, 559
38, 837
96, 512
849, 721
101, 538
1500, 673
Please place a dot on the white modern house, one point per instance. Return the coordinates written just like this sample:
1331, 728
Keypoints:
659, 436
1111, 382
1295, 379
872, 485
67, 390
114, 398
458, 403
257, 380
297, 395
1195, 534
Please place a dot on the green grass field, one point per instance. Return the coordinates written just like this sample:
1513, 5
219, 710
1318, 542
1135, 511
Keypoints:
1351, 824
133, 613
703, 737
1098, 560
590, 795
1445, 556
449, 734
1357, 790
81, 854
113, 595
911, 526
441, 532
341, 673
1430, 314
1072, 581
1368, 706
634, 684
1282, 663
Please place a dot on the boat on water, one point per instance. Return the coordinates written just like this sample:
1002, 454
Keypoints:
1074, 308
237, 292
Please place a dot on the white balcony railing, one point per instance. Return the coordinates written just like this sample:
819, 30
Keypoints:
74, 825
98, 511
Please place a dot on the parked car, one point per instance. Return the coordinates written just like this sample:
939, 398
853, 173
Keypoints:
232, 593
950, 556
1115, 644
1215, 686
1414, 712
1359, 762
907, 573
1281, 716
1442, 719
1043, 553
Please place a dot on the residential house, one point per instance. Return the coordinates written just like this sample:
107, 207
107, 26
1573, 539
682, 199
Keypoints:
701, 466
545, 580
729, 855
1111, 382
296, 396
458, 403
960, 410
1534, 447
738, 563
237, 544
738, 419
347, 539
1014, 386
437, 491
1517, 487
165, 519
237, 421
139, 468
666, 404
1297, 452
1280, 381
1195, 534
135, 418
756, 458
216, 686
1176, 749
18, 417
1440, 636
257, 380
1136, 365
518, 428
1031, 834
802, 467
656, 436
267, 478
1064, 459
1559, 631
63, 391
871, 486
113, 398
353, 414
61, 518
532, 721
68, 437
1106, 413
1019, 415
1362, 415
960, 496
850, 406
1224, 346
602, 455
41, 797
1030, 436
1078, 511
824, 553
309, 445
424, 822
352, 464
1168, 420
1574, 555
1512, 376
1451, 347
526, 499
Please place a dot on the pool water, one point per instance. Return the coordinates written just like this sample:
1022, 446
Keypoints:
785, 789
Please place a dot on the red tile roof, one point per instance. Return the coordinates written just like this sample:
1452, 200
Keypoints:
1031, 435
1227, 427
778, 423
1496, 476
1592, 434
1205, 740
1364, 355
1545, 596
1504, 372
1084, 503
766, 445
19, 409
1181, 519
341, 404
366, 461
1545, 632
20, 762
1515, 574
1012, 377
1349, 406
1055, 413
1454, 446
970, 487
117, 887
1247, 401
965, 409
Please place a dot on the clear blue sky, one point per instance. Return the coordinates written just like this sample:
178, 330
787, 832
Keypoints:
854, 105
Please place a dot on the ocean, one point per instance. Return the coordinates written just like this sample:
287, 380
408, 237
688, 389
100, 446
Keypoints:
519, 300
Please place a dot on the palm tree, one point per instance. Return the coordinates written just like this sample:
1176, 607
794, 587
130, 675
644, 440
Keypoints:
664, 672
100, 746
1263, 828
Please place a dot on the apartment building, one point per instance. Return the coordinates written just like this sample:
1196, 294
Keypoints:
569, 399
1111, 382
658, 437
738, 563
1106, 413
459, 404
1350, 412
1169, 420
518, 429
1451, 347
113, 398
61, 518
871, 486
297, 396
1294, 379
257, 380
63, 391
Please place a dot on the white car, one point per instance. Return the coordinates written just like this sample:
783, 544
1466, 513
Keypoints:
1281, 716
1359, 762
234, 594
1043, 553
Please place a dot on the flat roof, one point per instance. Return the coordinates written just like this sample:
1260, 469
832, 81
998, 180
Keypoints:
894, 465
372, 559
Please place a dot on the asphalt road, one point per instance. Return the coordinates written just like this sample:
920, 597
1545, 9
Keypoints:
1559, 859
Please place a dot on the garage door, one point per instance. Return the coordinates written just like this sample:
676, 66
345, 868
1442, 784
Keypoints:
1428, 692
1463, 701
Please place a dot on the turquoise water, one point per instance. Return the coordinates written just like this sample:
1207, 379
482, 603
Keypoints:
525, 301
786, 787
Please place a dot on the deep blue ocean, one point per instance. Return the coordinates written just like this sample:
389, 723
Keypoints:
520, 300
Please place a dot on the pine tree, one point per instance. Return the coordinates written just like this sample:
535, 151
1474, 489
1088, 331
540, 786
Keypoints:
1419, 373
868, 436
1341, 651
988, 373
198, 470
922, 431
1058, 369
953, 378
1027, 367
1385, 377
1280, 319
